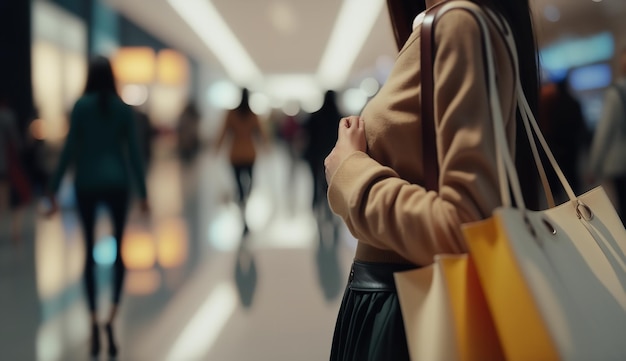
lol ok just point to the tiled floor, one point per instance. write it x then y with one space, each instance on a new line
195 288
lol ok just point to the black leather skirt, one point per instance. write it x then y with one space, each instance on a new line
369 325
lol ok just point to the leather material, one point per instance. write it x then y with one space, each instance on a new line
366 276
429 132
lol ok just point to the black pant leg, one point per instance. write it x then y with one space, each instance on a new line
86 204
117 202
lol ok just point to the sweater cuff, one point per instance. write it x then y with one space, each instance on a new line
352 179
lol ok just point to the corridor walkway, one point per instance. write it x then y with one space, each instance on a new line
196 289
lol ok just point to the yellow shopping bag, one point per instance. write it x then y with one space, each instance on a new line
521 327
445 314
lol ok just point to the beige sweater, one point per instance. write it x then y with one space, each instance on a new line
378 193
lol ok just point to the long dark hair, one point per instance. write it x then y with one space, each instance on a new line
100 80
517 14
244 104
402 13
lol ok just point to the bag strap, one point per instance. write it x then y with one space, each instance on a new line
429 133
429 147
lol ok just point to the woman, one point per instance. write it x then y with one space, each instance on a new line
320 128
243 126
376 175
102 140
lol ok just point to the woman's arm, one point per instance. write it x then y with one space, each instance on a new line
67 155
224 130
69 149
387 212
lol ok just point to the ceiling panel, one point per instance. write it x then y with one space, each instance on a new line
282 36
289 36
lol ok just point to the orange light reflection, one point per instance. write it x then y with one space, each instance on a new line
172 67
142 283
172 243
134 65
138 249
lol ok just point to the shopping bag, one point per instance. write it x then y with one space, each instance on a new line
445 314
554 280
555 284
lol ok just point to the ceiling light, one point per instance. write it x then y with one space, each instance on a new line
301 87
352 27
206 21
353 101
224 95
134 94
370 86
260 103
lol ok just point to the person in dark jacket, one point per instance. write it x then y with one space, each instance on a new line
565 130
101 143
321 131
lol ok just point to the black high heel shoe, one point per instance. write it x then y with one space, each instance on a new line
95 340
111 340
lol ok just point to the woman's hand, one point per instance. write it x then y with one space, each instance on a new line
350 139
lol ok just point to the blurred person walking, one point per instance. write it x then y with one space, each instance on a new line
188 133
566 132
243 128
607 160
147 132
321 132
101 143
15 189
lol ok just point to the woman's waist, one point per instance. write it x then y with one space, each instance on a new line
366 253
375 276
102 178
247 154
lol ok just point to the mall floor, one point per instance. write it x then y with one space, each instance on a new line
196 287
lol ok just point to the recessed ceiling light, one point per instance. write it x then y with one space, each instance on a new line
208 24
354 23
352 27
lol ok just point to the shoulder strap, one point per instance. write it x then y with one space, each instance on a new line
429 134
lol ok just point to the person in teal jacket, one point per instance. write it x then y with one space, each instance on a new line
102 145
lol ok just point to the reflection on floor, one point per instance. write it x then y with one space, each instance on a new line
196 289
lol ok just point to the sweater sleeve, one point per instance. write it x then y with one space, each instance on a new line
225 129
387 212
